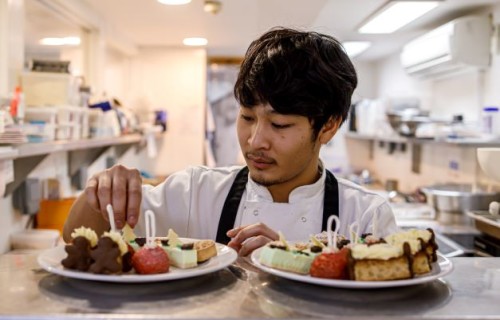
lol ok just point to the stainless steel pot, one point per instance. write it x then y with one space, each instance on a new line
452 201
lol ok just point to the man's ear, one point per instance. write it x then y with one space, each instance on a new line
329 130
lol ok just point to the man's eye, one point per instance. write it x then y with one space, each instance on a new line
246 118
281 126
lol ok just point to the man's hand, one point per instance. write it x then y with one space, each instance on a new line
246 239
122 188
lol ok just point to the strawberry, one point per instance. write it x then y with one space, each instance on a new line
150 260
331 265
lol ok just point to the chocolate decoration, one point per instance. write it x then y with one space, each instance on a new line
78 255
107 257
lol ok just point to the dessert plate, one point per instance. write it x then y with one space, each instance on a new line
50 260
442 267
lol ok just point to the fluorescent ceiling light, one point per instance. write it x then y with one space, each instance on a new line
396 14
353 48
66 41
174 2
195 41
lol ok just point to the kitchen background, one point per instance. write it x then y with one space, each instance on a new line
133 52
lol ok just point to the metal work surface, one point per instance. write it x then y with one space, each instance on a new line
471 291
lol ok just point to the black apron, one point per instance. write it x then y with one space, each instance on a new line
232 203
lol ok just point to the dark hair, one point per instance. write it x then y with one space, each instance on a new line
300 73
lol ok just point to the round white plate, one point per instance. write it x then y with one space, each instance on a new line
50 260
439 269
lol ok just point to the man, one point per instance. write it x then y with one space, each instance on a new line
295 91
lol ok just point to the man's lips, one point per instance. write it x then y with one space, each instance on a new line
260 162
260 159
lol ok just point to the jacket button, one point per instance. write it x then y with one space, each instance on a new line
303 219
256 212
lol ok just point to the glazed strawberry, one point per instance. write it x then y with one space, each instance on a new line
150 260
331 265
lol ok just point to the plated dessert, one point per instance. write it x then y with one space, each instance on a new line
116 253
399 256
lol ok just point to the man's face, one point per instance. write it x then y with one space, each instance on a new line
278 149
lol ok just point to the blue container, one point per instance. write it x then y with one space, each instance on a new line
105 106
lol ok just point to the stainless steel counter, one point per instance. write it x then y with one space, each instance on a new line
471 291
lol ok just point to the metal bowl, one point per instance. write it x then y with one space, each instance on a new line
458 198
406 126
453 201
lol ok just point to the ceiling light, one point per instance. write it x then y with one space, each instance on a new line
212 6
353 48
396 14
195 42
174 2
66 41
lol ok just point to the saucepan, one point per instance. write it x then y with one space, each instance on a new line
452 201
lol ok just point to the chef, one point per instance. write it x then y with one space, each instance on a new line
294 89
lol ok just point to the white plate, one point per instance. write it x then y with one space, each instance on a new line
439 269
50 260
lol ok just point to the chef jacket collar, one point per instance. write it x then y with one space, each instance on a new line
257 192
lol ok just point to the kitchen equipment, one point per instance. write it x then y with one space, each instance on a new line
487 221
53 213
489 159
48 89
406 122
453 201
34 239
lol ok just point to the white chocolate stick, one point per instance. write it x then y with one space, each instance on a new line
332 243
375 224
150 228
354 234
111 217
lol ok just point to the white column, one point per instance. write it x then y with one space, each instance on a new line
11 44
95 60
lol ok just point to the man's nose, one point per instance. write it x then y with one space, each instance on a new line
259 137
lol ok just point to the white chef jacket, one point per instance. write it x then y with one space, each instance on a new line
190 202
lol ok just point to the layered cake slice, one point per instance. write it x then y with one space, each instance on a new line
422 245
380 262
280 255
182 255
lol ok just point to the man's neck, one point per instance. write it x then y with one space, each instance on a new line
281 192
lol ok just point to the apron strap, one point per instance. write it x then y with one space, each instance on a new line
331 200
232 203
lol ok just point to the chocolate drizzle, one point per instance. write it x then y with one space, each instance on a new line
409 258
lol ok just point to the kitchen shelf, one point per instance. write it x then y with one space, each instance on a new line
461 142
81 153
8 154
44 148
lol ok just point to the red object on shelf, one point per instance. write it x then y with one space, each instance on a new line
14 103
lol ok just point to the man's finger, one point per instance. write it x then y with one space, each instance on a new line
134 193
258 229
253 243
91 194
104 193
233 232
119 198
